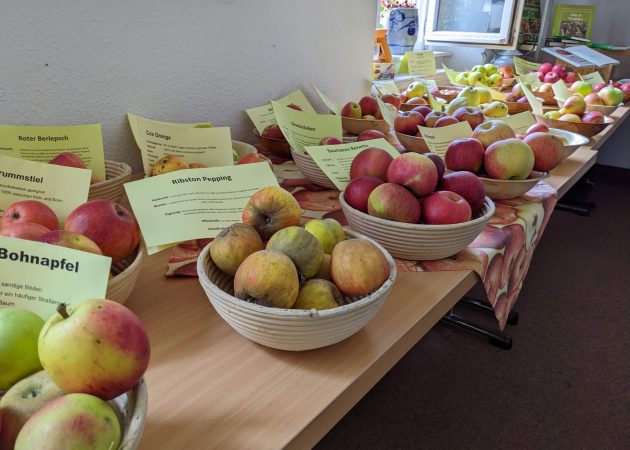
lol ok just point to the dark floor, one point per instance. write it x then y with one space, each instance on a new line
566 382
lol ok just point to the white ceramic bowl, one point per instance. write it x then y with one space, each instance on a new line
418 241
504 189
572 141
290 329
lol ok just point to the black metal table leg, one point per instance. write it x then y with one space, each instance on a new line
499 340
512 318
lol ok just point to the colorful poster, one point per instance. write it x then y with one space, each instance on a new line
530 23
383 71
573 21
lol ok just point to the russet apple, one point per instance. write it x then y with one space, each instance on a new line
19 331
445 121
391 201
358 267
509 159
368 104
407 122
318 294
233 245
24 230
468 185
414 171
328 232
304 249
168 163
593 117
351 110
369 135
547 148
445 207
372 161
611 96
268 278
464 154
358 191
273 131
72 240
110 225
492 131
271 209
439 164
68 159
470 114
30 211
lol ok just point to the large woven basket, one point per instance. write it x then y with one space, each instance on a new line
418 241
311 170
290 329
276 147
131 408
118 173
126 274
504 189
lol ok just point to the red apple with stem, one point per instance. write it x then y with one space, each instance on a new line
391 201
468 185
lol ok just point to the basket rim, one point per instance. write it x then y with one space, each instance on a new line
135 265
127 172
580 138
355 120
257 134
304 313
420 226
407 136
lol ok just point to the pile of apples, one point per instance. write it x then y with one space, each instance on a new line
496 152
412 188
583 94
549 73
407 122
367 107
487 74
172 163
278 263
60 374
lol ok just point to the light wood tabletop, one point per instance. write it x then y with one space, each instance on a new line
209 387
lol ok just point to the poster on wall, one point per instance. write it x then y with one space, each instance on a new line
530 23
574 21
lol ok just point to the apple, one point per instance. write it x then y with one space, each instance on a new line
445 121
253 158
491 69
545 67
593 117
462 78
302 247
351 110
575 104
68 159
168 163
495 80
69 239
416 101
330 140
439 164
391 99
21 401
545 88
571 118
358 267
555 115
233 245
110 225
519 136
538 127
570 78
358 191
611 96
372 161
294 106
551 77
416 89
368 105
492 131
509 159
468 185
318 294
369 135
407 122
599 86
495 110
75 421
560 70
414 171
472 94
431 118
476 77
197 166
625 88
547 148
19 330
30 211
507 71
328 232
541 76
445 207
470 114
464 154
96 347
509 97
523 100
273 131
391 201
581 87
271 209
423 109
593 99
24 230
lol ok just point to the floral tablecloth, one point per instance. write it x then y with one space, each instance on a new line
500 255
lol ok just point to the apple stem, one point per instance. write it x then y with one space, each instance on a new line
61 309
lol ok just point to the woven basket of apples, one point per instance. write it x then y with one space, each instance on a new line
409 206
273 141
357 117
102 227
69 382
601 97
293 287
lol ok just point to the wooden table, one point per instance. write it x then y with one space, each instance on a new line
211 388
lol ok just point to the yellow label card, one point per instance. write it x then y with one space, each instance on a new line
560 90
38 276
383 71
530 78
335 160
388 111
437 139
210 146
520 122
592 78
521 67
262 116
435 105
429 83
62 188
535 103
332 105
450 74
302 128
43 143
420 63
194 203
386 87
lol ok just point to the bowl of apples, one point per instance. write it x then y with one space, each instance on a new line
587 124
572 141
273 141
357 117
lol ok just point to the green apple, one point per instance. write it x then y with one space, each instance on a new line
484 95
20 402
495 80
72 422
479 69
509 159
555 115
491 69
476 77
581 87
327 231
416 89
495 110
472 94
19 330
461 79
97 347
318 294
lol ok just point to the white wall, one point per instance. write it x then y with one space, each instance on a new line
84 62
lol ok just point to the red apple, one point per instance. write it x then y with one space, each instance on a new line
111 226
30 211
570 77
351 110
439 164
445 207
330 140
273 131
68 159
551 77
509 97
407 122
611 96
358 191
523 100
545 67
369 105
468 185
445 121
464 154
470 114
492 131
252 158
416 101
414 171
368 135
391 99
24 230
393 202
593 117
507 71
69 239
372 161
509 159
423 109
538 127
625 88
560 70
432 117
593 99
547 148
294 106
541 76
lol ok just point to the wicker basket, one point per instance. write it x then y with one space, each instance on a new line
358 126
131 408
126 274
572 141
118 173
419 241
585 129
311 170
414 144
290 329
504 189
